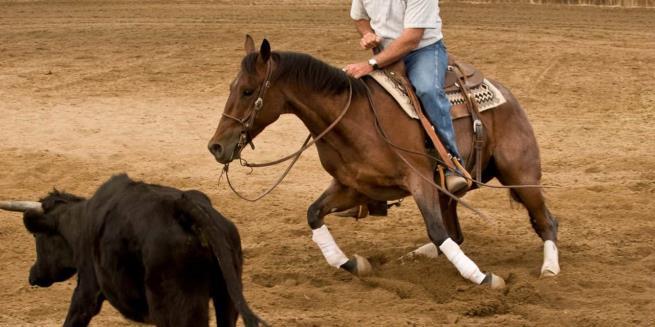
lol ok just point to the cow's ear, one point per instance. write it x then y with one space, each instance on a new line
36 222
265 51
249 46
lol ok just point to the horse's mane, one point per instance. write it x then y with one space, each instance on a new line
307 71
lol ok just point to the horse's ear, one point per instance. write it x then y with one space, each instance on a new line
249 44
265 50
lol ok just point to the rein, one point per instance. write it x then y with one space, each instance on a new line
245 138
396 149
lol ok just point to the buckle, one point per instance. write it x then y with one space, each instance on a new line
477 126
259 103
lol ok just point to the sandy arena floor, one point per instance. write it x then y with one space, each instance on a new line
95 88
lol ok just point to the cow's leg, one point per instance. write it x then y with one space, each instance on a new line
87 301
226 311
336 198
174 300
426 198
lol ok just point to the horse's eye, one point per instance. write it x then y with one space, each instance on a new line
248 92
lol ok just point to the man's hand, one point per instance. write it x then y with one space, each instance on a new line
369 41
358 70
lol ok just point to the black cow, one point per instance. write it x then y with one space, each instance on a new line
155 253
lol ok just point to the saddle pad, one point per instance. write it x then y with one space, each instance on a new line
486 95
396 90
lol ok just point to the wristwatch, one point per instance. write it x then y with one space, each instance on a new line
373 63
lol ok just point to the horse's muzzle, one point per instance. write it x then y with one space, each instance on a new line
220 153
224 152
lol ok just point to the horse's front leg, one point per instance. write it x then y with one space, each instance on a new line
336 198
428 202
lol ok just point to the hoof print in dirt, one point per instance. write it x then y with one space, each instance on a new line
490 308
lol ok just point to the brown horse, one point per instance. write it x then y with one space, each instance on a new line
365 167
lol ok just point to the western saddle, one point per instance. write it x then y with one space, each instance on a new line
460 77
461 71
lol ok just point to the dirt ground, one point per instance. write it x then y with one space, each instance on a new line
90 89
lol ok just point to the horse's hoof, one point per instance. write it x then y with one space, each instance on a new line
428 250
549 272
364 267
550 267
496 282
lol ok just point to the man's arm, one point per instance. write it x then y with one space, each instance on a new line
396 50
369 39
400 47
363 26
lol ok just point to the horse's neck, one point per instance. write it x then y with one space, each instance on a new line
357 130
355 149
319 111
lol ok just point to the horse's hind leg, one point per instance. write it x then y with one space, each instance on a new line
451 223
543 223
521 172
336 198
426 199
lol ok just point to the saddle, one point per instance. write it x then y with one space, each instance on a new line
464 85
459 70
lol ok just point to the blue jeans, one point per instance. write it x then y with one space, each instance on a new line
426 69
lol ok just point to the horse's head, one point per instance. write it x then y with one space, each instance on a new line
252 105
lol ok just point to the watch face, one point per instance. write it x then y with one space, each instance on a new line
373 62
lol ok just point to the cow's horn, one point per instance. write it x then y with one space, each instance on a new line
21 206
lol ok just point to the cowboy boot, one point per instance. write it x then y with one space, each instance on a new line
456 184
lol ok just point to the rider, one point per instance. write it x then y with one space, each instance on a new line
410 30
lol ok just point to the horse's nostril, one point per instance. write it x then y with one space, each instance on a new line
215 149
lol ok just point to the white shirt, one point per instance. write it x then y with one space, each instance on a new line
389 18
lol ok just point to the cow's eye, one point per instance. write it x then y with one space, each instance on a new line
248 92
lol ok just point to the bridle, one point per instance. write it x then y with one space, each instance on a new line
245 138
247 122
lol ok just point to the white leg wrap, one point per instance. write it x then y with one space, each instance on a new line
551 259
466 267
334 256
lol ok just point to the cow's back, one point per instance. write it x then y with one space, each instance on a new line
141 247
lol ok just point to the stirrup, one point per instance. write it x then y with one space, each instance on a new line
456 184
357 212
465 174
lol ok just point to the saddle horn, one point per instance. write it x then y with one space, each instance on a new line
21 206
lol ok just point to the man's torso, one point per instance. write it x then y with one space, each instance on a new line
389 18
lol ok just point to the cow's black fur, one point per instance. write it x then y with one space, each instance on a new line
155 253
